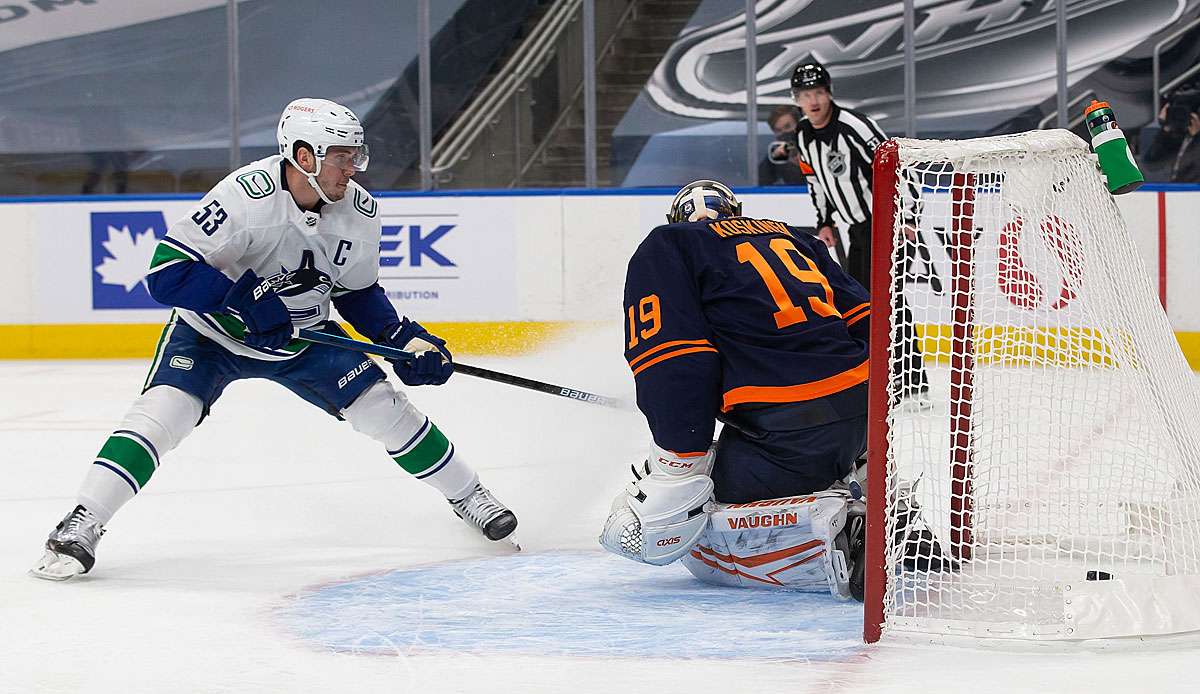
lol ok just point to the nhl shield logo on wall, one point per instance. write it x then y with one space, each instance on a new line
835 162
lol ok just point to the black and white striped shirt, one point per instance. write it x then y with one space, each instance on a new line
840 157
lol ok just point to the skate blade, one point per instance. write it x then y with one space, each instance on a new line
512 540
56 567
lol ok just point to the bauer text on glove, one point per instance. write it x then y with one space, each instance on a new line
268 324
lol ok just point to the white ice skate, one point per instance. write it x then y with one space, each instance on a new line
71 547
482 511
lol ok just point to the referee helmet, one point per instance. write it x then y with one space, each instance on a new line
810 75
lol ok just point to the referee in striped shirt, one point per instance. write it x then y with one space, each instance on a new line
838 145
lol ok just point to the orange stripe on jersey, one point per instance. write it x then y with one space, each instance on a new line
806 169
848 314
796 393
666 345
857 318
671 355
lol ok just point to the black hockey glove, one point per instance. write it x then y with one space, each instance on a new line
268 324
433 363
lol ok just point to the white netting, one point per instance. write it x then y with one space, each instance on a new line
1056 449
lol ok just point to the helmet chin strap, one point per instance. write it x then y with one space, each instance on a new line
311 177
312 181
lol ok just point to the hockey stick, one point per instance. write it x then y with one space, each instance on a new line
519 381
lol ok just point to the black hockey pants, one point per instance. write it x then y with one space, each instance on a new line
908 369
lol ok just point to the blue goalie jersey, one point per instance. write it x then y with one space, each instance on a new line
734 313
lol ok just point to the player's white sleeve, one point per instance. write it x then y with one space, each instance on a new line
362 267
212 232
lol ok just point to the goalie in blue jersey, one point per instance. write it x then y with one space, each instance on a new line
749 322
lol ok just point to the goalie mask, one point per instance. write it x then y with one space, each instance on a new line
320 124
703 199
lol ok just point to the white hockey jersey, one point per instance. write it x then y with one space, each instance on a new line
249 221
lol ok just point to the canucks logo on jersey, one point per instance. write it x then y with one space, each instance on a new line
304 279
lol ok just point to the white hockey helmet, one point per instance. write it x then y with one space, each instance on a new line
320 124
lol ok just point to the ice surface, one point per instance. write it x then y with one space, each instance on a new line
278 551
568 604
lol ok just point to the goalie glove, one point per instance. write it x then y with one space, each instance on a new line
662 513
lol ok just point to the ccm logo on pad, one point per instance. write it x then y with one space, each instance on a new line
667 541
681 464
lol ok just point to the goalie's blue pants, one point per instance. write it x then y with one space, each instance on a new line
793 449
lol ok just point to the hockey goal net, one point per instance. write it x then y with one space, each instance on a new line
1028 395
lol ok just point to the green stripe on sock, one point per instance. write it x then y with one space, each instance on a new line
130 455
426 453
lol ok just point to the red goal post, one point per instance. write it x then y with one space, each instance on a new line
883 206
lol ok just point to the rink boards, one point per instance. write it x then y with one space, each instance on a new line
494 271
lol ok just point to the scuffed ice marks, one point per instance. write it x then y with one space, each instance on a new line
569 604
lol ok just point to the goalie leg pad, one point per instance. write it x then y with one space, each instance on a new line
795 543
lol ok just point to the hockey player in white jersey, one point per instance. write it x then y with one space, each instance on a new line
266 252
